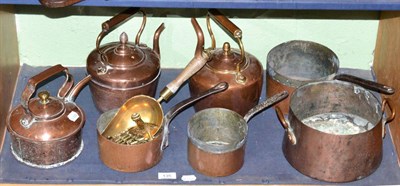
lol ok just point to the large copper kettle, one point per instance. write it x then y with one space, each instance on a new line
121 70
46 131
241 70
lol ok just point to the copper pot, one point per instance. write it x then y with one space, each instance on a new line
139 157
58 3
121 70
46 131
217 138
241 70
295 63
334 131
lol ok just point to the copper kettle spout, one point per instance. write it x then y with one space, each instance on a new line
156 46
78 87
200 38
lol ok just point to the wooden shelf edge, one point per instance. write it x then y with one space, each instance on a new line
386 65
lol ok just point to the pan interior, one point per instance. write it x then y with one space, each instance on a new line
336 107
296 62
217 130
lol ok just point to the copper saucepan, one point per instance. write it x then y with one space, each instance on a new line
217 137
334 130
295 63
138 157
46 131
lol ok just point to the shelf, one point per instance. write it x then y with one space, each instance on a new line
264 160
239 4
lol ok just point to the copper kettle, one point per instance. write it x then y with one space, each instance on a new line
242 71
46 131
121 70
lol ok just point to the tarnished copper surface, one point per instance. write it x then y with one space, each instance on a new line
273 87
215 165
46 131
121 70
217 138
330 157
241 70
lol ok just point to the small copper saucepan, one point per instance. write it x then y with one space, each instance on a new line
120 154
217 137
334 130
295 63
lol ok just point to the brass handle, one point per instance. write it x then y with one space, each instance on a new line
117 20
286 125
387 103
41 77
234 31
199 60
371 85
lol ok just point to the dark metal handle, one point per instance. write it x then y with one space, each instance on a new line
184 104
58 3
371 85
265 104
225 23
114 22
386 102
48 73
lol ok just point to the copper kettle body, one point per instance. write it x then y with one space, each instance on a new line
121 70
46 131
241 70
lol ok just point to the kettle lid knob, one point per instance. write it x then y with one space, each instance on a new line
44 97
226 48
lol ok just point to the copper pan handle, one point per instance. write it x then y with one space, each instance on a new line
286 125
184 104
386 102
45 75
266 104
114 22
198 61
371 85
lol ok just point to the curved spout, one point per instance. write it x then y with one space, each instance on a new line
78 87
156 46
200 38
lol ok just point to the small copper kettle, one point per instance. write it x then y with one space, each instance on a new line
121 70
242 71
46 131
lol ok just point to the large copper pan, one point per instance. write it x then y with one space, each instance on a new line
334 131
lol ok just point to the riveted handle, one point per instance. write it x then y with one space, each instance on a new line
387 103
45 75
286 125
371 85
117 20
